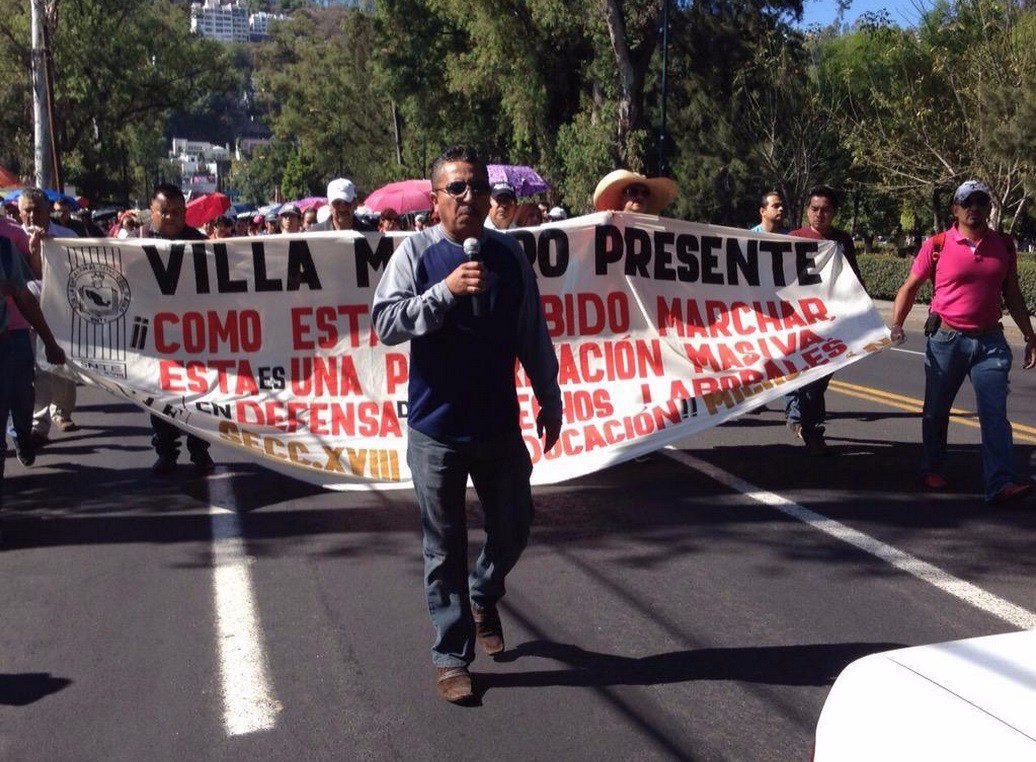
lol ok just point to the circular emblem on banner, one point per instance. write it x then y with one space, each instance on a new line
98 293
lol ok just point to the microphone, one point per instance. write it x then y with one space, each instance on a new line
473 250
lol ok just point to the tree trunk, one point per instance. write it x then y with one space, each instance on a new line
629 104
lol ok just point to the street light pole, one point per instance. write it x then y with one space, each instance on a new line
664 91
40 101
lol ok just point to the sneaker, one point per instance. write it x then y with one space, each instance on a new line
1012 492
489 632
164 466
65 424
26 452
454 684
816 445
794 427
203 463
933 481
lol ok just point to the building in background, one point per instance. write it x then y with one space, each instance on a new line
227 22
201 164
230 21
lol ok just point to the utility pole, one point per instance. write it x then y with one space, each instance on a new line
44 155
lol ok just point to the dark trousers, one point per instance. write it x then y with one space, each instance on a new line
166 440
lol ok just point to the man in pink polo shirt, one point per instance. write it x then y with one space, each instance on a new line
972 268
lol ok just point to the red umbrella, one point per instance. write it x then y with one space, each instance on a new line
8 179
204 208
404 196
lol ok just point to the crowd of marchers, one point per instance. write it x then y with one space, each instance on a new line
463 417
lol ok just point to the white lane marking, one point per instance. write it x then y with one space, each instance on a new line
248 702
906 351
922 570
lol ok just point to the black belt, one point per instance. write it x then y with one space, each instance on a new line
994 328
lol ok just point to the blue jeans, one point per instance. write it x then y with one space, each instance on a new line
806 405
21 396
986 360
500 471
7 374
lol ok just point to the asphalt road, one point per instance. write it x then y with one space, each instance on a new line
696 606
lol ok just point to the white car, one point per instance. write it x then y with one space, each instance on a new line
971 700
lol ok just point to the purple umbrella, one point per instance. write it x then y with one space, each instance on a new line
525 180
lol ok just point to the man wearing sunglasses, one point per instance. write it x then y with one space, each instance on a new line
463 417
806 408
972 268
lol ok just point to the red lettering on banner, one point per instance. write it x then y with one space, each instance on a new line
585 314
723 357
584 404
396 373
331 419
176 376
595 362
684 317
222 368
232 376
324 376
211 332
324 327
718 315
594 435
814 310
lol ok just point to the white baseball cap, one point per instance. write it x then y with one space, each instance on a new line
341 189
968 187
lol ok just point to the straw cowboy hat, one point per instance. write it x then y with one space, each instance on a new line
608 194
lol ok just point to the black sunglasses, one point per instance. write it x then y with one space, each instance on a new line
458 188
636 191
975 199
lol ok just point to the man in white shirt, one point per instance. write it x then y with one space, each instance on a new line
503 206
55 395
341 200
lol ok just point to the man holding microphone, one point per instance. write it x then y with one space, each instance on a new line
466 298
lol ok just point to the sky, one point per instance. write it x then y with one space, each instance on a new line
901 12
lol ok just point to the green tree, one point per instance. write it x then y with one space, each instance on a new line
118 66
258 179
314 76
926 108
297 178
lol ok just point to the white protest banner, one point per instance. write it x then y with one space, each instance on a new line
662 328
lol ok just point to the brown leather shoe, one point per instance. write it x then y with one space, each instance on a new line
454 684
489 632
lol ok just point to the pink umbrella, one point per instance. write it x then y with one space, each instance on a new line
204 208
315 201
404 196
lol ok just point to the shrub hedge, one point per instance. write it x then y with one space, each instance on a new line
884 275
